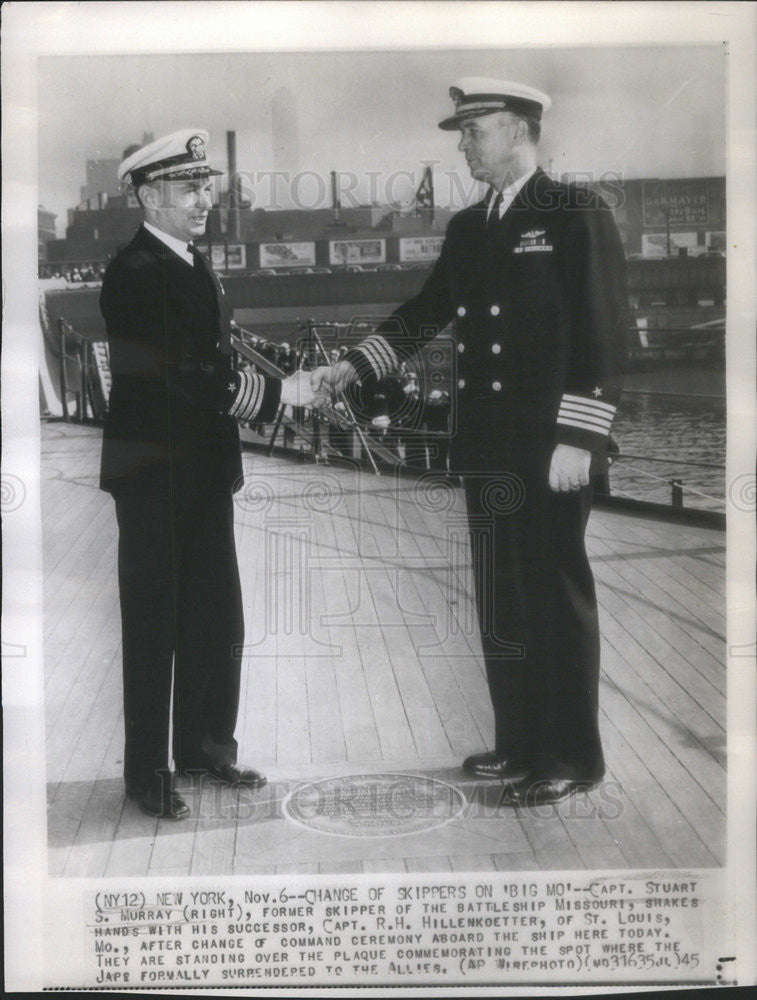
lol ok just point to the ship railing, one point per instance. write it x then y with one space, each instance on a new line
679 342
674 481
392 444
72 370
83 372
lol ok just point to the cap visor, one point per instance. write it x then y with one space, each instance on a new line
189 174
449 124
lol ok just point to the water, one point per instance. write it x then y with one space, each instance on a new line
671 427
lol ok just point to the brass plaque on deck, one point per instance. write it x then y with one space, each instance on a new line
373 805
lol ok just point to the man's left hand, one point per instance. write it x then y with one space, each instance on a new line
569 469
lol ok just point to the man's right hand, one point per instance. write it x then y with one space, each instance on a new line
303 388
338 377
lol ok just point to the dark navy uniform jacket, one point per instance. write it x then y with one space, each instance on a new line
171 420
538 300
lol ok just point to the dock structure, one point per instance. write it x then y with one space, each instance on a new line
362 663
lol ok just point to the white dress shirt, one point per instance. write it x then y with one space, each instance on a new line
508 194
172 243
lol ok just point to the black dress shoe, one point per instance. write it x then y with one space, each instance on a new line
545 791
159 803
496 766
229 774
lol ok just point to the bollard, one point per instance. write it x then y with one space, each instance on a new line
677 485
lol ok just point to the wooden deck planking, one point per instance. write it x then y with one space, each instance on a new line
174 842
420 708
384 702
664 779
91 847
705 622
472 863
548 841
373 631
639 830
685 745
90 622
83 603
384 865
61 516
692 699
704 649
324 717
77 757
214 849
132 844
700 556
525 862
64 818
251 691
334 625
592 838
72 714
262 842
428 864
668 570
631 828
97 509
354 867
684 725
426 584
685 660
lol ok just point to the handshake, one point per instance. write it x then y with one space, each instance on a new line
316 388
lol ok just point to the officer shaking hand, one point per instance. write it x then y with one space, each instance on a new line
534 278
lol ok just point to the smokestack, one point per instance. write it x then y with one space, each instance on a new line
335 198
232 228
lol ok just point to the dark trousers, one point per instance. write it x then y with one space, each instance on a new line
182 621
538 617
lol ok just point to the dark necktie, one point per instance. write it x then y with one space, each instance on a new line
202 272
493 217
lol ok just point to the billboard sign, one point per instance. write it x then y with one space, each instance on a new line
656 244
228 257
287 254
357 251
676 203
413 248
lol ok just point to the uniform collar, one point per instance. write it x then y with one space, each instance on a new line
509 193
171 242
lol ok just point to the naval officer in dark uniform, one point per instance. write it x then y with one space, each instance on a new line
171 459
534 277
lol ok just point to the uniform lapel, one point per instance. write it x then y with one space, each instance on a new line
222 308
524 200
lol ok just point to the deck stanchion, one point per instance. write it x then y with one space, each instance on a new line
83 361
62 367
